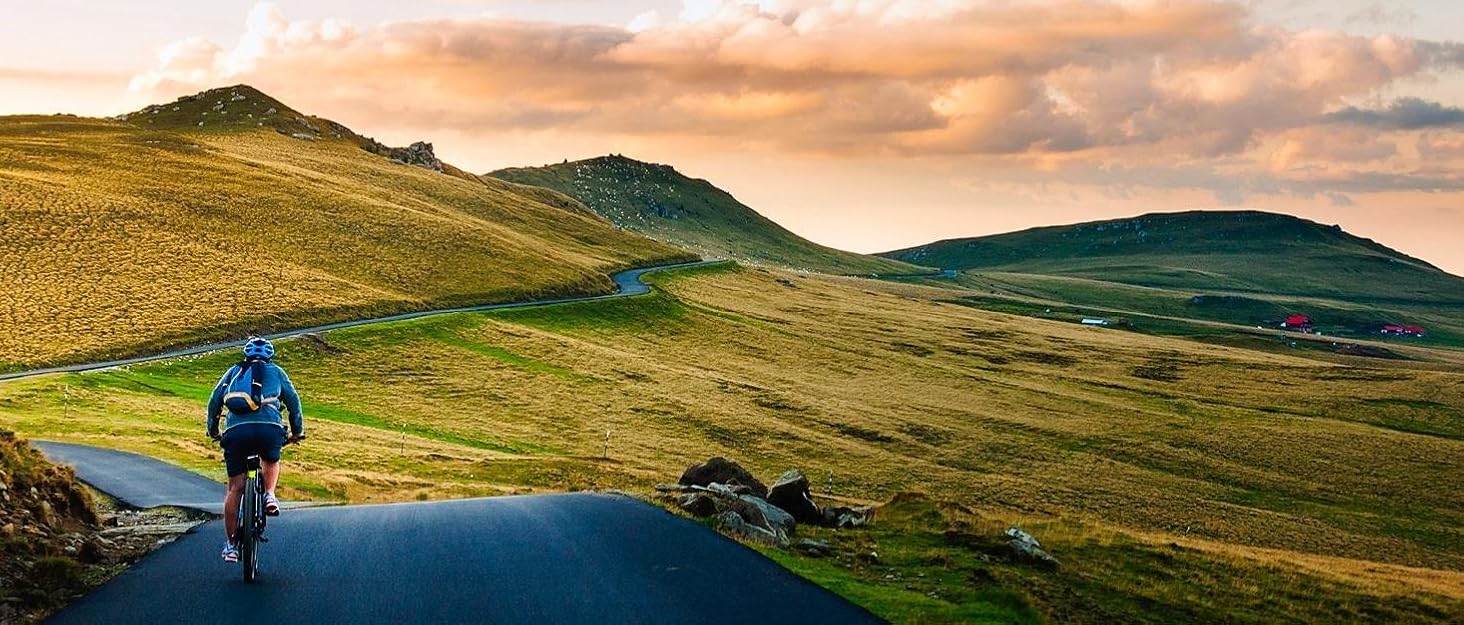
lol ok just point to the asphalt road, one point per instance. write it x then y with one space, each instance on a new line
138 481
573 558
628 284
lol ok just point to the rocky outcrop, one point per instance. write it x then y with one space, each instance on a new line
419 154
721 489
719 470
790 492
755 518
719 485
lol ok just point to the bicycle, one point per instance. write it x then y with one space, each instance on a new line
252 517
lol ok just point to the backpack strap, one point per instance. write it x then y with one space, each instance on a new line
256 379
255 397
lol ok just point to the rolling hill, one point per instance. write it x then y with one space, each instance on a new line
661 203
228 212
1242 267
1212 250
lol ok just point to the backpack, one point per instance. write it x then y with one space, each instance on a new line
244 393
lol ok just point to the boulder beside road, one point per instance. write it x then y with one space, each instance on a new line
790 492
719 470
721 488
755 518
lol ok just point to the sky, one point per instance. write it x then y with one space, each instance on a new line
863 124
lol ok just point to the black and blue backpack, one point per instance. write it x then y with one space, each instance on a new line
245 391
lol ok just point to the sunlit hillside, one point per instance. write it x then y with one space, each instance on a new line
1171 478
126 236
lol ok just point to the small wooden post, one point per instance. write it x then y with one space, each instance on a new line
606 455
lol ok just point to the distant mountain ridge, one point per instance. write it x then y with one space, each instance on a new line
1219 250
661 203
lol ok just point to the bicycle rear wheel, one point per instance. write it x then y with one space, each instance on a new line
249 528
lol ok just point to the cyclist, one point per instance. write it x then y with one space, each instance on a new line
251 392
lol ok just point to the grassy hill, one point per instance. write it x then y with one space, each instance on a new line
228 212
1211 250
1176 482
661 203
1246 267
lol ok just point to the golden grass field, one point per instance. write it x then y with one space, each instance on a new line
1171 476
120 239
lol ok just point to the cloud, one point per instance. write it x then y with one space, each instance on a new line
1403 114
1112 84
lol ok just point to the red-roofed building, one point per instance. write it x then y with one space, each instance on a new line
1301 323
1397 330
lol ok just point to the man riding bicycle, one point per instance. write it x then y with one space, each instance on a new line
251 391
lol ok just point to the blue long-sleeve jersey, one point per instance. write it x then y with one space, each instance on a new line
277 386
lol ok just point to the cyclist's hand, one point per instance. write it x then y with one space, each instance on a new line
295 439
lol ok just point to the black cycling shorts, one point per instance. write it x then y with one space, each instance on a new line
251 439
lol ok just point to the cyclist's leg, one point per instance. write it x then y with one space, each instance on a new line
270 441
271 471
269 466
235 452
231 505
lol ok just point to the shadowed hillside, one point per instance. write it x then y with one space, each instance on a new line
1217 250
1247 268
657 201
147 230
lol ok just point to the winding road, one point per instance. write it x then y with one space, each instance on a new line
568 558
627 284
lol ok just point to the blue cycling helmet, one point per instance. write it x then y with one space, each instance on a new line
259 347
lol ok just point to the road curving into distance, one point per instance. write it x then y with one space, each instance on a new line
627 283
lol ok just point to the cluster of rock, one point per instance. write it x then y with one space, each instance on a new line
419 153
722 489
